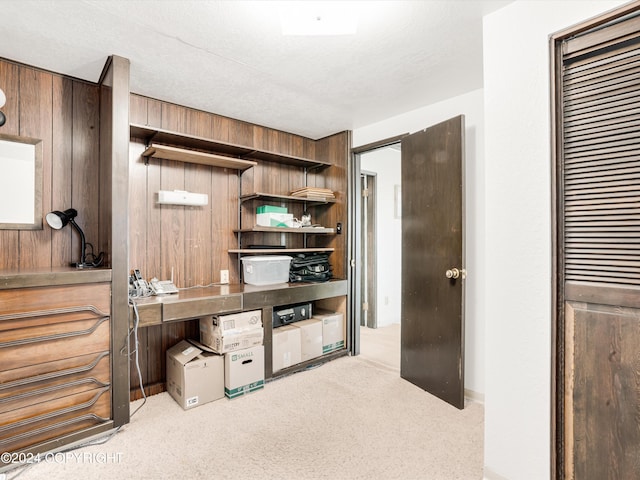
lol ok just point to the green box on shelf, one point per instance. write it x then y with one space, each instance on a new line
270 209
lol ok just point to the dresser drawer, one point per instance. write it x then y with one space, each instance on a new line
53 342
38 423
21 300
34 385
55 363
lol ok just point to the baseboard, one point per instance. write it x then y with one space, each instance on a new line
474 396
491 475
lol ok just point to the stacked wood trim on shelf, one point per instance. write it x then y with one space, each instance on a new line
193 243
55 375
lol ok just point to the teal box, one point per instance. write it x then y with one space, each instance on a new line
270 209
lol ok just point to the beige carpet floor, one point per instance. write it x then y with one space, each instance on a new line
381 345
351 418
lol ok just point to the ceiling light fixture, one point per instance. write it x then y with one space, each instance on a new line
319 18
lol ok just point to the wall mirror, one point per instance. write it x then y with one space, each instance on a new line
20 183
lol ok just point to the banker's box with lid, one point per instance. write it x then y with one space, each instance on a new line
243 371
266 269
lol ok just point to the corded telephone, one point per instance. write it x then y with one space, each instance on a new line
138 286
160 287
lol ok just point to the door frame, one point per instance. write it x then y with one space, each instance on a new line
370 273
355 199
558 323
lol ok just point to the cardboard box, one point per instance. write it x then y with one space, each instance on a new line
274 219
243 371
270 209
194 376
286 347
238 322
310 338
332 331
228 333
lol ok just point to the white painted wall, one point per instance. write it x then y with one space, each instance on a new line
518 232
471 105
386 163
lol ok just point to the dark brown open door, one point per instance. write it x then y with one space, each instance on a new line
432 336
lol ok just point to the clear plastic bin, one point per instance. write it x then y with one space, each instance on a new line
265 269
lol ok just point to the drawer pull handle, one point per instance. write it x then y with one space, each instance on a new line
54 311
56 336
56 413
42 391
48 428
61 373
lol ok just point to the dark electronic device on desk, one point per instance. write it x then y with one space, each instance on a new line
286 314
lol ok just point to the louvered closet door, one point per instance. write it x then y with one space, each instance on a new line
599 226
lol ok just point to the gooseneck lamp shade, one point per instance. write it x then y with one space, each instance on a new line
58 220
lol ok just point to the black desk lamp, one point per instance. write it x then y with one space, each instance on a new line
57 220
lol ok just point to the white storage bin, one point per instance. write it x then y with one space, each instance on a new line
266 269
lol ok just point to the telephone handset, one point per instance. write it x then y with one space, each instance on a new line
138 286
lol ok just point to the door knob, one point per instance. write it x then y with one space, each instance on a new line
452 273
455 273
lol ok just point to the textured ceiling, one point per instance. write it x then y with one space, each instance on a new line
230 57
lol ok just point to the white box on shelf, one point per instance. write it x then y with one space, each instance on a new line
273 219
243 371
332 331
266 269
310 338
238 322
286 347
227 333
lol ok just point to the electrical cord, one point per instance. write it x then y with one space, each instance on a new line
136 323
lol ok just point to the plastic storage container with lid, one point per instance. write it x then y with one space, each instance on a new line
265 269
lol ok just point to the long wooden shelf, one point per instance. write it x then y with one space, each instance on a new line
312 363
165 137
280 250
312 230
194 156
284 198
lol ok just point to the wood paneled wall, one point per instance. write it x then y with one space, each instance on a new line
194 241
64 113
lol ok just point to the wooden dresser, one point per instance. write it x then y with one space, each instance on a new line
55 365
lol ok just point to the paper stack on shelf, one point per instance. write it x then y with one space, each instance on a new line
313 193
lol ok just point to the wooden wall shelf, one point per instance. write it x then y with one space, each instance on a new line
276 251
311 230
158 136
284 198
194 156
